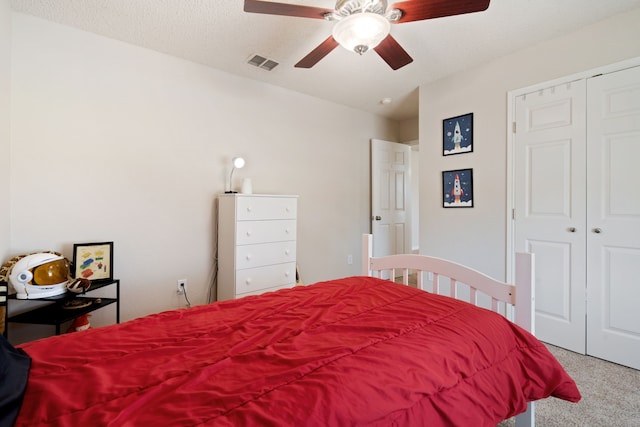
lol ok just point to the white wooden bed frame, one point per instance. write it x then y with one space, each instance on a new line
518 296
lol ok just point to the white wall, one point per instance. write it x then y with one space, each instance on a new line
477 236
113 142
5 99
415 198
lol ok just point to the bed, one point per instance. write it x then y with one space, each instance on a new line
350 352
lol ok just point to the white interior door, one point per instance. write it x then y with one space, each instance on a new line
390 197
550 203
613 215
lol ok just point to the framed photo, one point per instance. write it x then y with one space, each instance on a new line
457 135
93 261
457 188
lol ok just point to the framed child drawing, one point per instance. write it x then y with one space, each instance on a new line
457 135
93 261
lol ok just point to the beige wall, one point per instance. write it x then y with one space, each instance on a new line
477 236
5 102
409 131
115 142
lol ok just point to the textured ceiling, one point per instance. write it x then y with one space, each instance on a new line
218 33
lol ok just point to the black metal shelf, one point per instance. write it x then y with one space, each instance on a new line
56 314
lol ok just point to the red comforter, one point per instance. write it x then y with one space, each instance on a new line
357 351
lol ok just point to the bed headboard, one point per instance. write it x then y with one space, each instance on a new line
432 269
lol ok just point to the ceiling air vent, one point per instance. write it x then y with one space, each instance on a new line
262 62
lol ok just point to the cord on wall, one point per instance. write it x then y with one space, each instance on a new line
213 277
184 292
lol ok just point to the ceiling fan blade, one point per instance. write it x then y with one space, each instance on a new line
392 53
418 10
318 53
273 8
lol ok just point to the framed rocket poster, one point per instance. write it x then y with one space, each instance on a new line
457 135
457 188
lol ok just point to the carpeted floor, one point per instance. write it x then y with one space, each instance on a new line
610 395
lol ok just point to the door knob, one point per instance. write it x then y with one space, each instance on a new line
572 229
597 230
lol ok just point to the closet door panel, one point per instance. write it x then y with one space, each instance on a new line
553 302
550 201
613 216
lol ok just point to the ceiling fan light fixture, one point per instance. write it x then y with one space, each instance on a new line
362 31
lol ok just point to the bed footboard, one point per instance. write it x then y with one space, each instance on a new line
518 296
435 271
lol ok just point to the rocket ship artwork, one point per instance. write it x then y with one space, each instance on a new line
457 137
457 190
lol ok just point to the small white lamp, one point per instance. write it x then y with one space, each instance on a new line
238 163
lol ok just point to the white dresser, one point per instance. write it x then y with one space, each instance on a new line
256 244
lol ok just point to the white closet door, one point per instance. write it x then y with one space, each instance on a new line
550 201
613 215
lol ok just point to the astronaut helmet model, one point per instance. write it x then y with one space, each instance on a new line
40 275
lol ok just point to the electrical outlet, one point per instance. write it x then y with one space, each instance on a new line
182 286
349 259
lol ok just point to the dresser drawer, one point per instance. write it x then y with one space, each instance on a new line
250 256
251 232
253 208
259 279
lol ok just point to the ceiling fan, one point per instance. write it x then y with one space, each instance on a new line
362 25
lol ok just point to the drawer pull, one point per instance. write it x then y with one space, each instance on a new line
286 274
248 233
248 281
286 252
287 231
248 208
248 257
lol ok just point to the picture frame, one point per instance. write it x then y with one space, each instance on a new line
457 135
93 261
457 188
